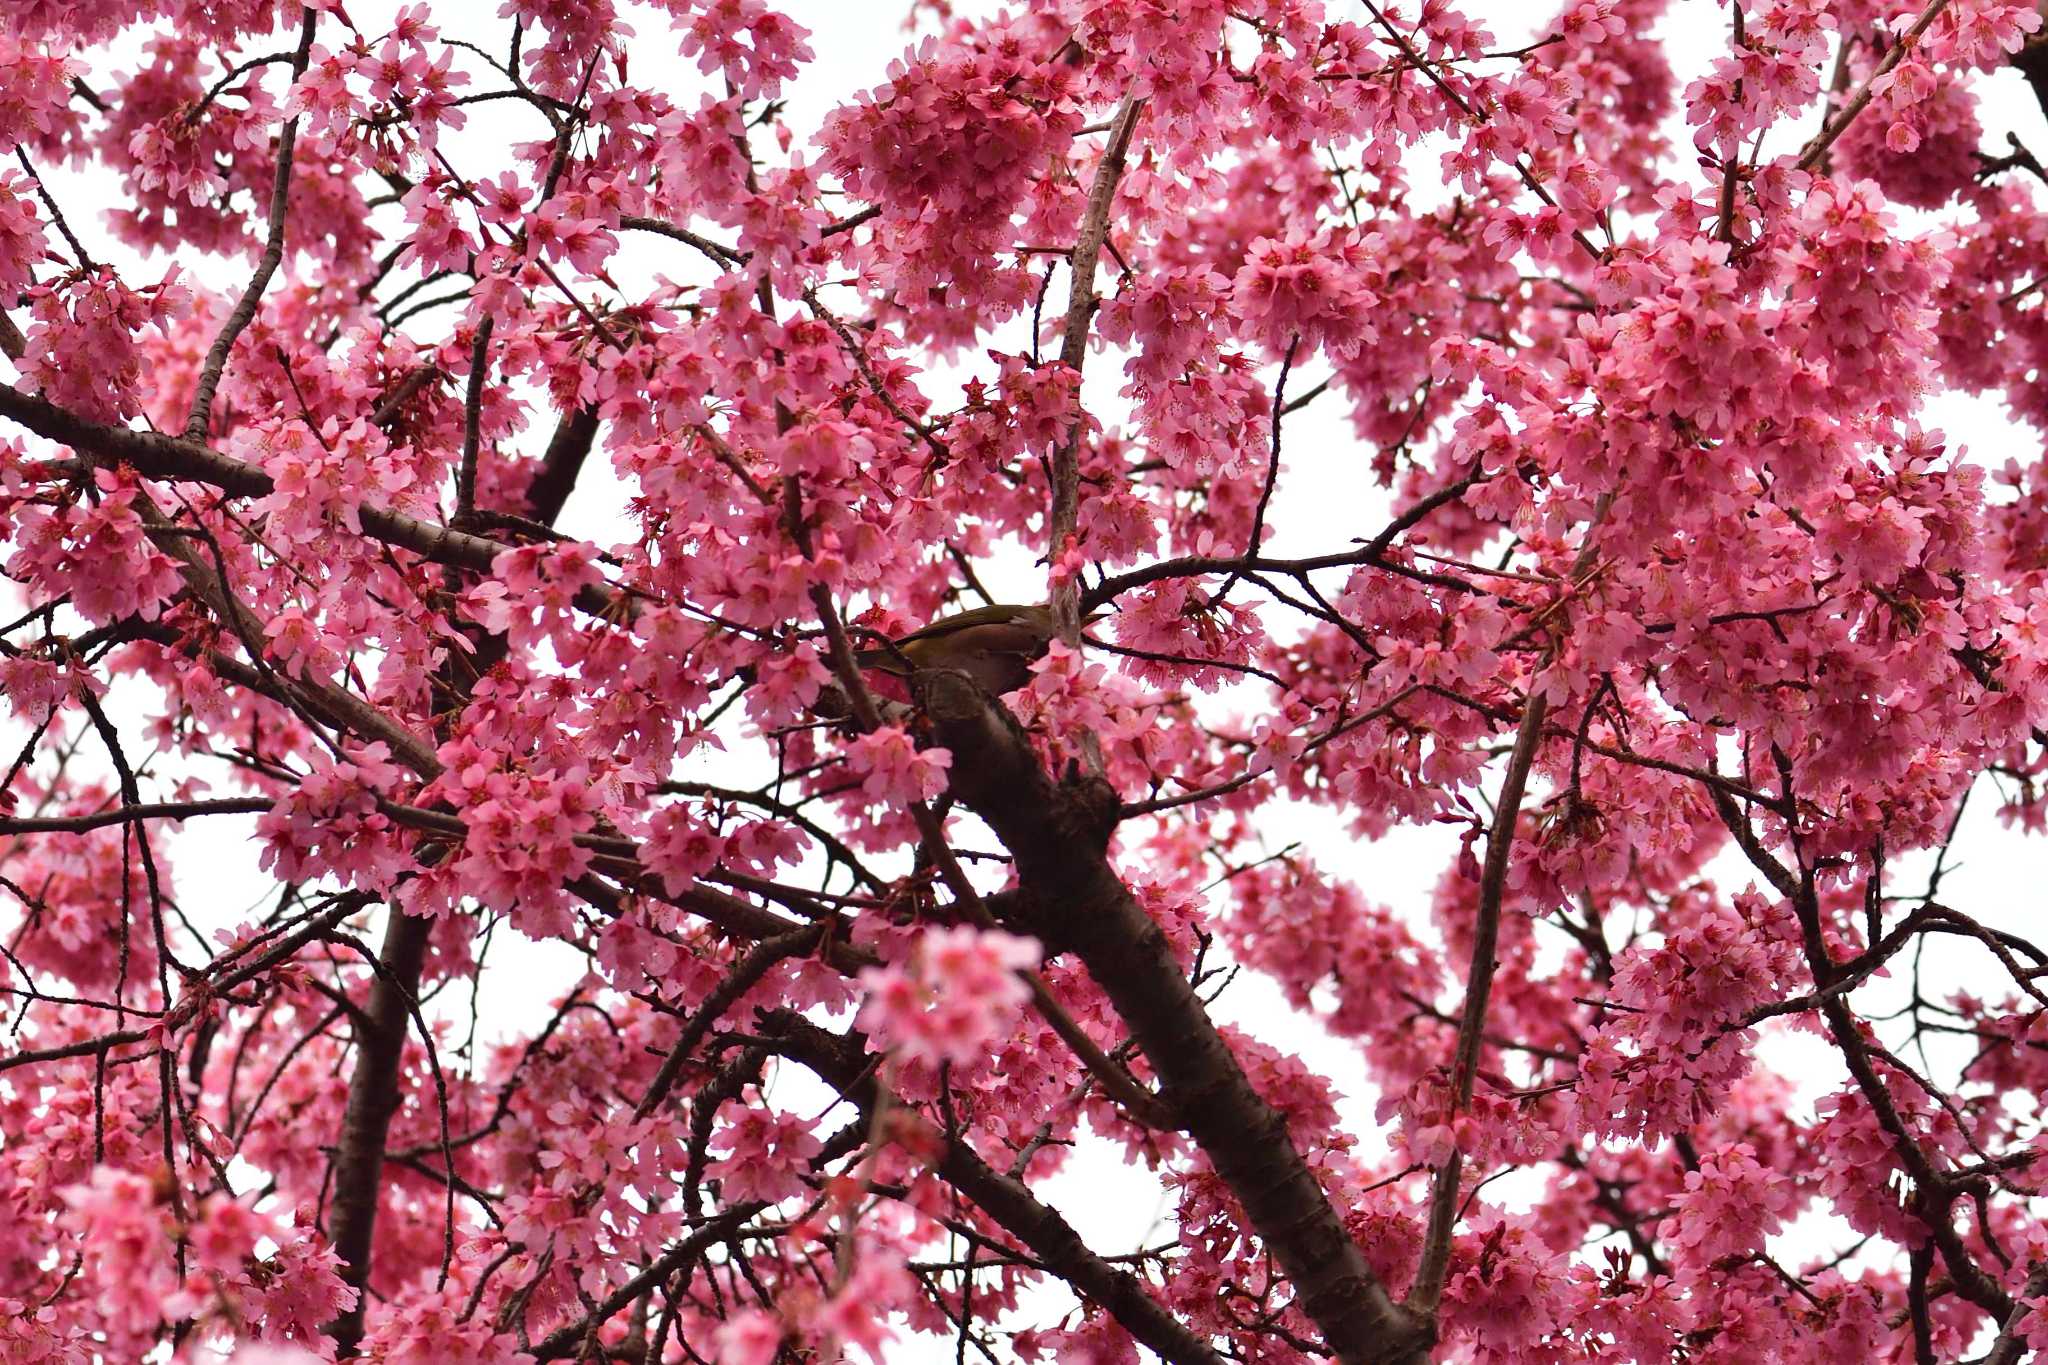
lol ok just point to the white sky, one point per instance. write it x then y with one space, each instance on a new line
1325 500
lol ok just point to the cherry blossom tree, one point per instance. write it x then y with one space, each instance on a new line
1633 571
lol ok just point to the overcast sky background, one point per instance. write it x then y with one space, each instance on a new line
1325 500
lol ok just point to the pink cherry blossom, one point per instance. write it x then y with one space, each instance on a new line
1486 838
959 994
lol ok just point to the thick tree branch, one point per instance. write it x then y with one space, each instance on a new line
156 456
1500 842
2008 1349
1057 833
847 1066
561 465
372 1097
2032 62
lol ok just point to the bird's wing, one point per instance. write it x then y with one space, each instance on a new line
994 638
998 615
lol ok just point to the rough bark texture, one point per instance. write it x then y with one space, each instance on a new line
372 1098
1058 831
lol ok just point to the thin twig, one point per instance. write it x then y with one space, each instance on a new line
244 312
1443 1204
1066 465
1818 148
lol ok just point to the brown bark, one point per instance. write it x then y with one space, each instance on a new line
849 1068
157 456
372 1099
560 466
1057 833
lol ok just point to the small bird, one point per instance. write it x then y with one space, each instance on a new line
994 645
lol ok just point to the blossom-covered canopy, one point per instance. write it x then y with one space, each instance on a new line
1622 568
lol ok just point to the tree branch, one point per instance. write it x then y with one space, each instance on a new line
1817 150
372 1097
1075 901
1066 466
561 465
2006 1350
124 815
1500 841
848 1067
273 253
158 456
